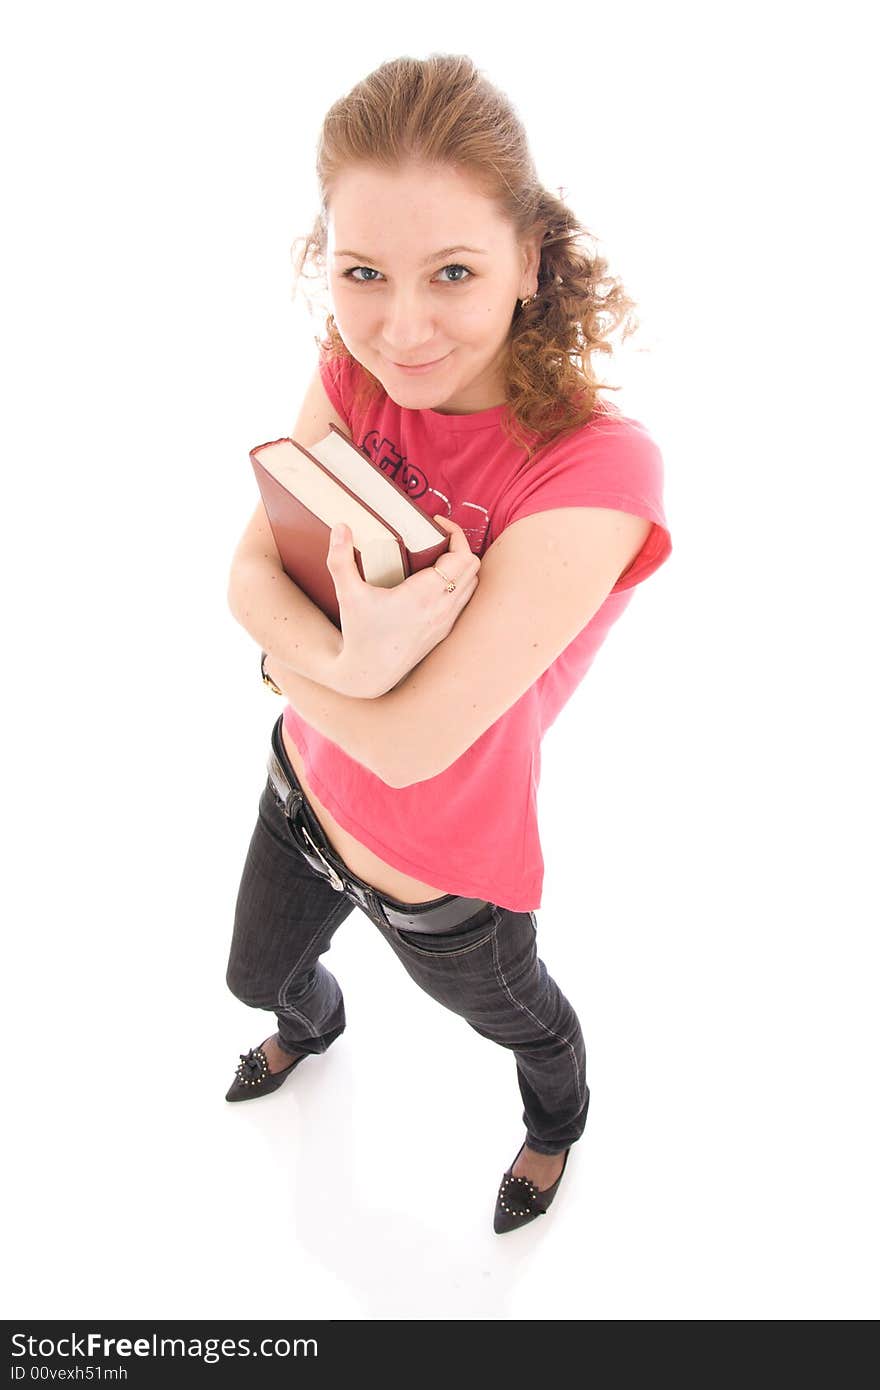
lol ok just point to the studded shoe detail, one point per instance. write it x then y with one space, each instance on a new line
520 1201
253 1077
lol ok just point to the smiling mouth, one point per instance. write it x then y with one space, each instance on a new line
414 366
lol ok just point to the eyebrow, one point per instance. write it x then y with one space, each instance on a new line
436 256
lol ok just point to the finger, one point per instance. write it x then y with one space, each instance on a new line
462 596
458 541
459 580
340 556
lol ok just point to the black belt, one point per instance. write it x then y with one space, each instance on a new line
443 914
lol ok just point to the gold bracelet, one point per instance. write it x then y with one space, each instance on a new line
267 679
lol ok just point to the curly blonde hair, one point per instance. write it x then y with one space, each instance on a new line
442 111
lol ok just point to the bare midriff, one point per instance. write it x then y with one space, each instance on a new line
361 861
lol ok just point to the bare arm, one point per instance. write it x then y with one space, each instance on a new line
360 727
283 620
542 580
364 727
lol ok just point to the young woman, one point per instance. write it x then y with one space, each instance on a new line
403 771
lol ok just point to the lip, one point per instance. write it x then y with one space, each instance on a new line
423 367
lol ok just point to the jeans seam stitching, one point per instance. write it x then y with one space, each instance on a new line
445 955
282 1001
499 973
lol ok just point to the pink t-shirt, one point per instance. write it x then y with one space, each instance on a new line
473 830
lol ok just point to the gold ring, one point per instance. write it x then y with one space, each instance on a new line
450 583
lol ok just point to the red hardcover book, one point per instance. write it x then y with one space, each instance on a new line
306 491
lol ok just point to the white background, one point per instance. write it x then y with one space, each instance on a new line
708 803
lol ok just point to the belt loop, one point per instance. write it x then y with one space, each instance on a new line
378 907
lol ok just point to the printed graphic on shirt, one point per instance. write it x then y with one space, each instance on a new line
472 517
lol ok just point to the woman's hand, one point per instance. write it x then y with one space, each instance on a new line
386 632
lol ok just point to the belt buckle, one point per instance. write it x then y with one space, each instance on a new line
291 800
335 880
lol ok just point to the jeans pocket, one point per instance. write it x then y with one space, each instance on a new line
467 936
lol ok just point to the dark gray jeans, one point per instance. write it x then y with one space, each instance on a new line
486 970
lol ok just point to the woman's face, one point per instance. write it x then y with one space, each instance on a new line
400 299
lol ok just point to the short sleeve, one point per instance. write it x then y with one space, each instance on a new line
614 464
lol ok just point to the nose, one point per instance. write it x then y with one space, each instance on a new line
409 323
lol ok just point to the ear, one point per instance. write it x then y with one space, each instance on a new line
530 253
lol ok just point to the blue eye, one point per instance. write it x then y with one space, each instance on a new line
350 275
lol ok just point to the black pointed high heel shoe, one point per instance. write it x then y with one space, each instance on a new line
519 1201
253 1077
